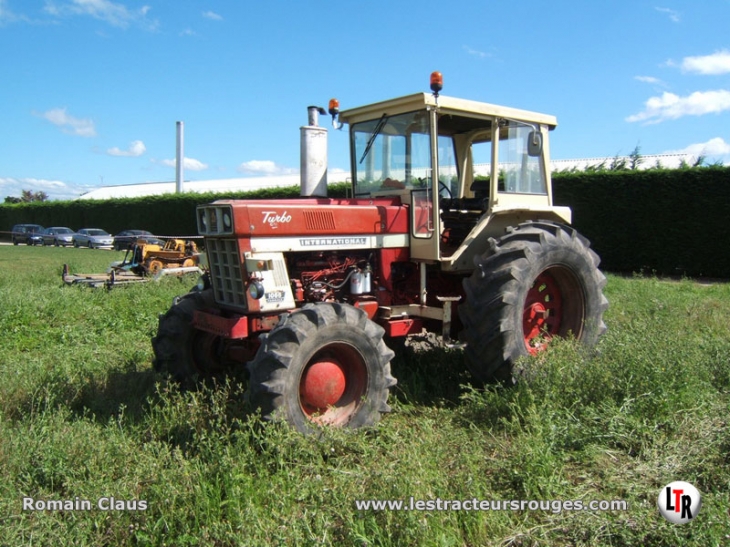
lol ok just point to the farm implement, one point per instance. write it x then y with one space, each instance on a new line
142 262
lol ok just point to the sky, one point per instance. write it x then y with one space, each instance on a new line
92 89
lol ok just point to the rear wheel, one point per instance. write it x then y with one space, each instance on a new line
325 364
539 281
184 352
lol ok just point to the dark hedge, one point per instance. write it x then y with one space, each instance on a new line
662 221
668 222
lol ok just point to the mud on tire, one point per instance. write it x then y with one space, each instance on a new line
538 281
324 364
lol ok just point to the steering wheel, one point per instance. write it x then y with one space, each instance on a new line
444 187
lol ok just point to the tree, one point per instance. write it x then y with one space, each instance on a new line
635 158
27 196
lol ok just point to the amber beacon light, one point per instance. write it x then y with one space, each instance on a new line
334 110
437 82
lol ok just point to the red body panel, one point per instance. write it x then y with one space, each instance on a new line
318 216
226 327
317 275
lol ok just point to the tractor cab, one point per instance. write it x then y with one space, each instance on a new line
466 170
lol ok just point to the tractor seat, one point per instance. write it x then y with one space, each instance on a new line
479 202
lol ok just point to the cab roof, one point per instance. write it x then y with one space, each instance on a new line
445 105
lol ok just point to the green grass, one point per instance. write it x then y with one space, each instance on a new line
83 415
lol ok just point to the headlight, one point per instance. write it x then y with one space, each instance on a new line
227 221
256 290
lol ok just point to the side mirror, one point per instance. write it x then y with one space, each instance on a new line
534 144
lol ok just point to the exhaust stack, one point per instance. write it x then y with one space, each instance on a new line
313 155
179 159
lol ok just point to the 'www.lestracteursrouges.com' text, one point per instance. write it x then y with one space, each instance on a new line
438 504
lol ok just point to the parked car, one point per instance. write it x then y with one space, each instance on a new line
58 235
93 238
126 238
30 234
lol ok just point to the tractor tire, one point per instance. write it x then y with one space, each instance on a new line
539 281
182 351
325 364
154 267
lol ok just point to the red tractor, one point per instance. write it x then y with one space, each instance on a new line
451 228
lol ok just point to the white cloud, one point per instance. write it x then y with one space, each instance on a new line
116 14
29 181
6 14
265 167
56 189
717 63
476 53
188 164
212 15
674 15
136 149
713 147
69 124
649 80
670 106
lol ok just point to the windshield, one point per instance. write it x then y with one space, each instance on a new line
96 233
392 153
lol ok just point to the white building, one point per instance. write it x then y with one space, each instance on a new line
245 184
242 184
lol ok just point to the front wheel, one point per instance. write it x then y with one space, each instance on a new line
539 281
154 267
325 364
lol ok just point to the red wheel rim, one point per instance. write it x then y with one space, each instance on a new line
333 384
543 312
323 384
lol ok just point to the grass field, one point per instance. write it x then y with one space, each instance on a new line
84 418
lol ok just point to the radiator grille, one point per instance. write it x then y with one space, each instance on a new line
225 272
319 220
280 275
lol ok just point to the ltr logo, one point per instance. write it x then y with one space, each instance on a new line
679 502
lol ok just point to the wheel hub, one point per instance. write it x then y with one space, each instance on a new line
542 313
322 385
